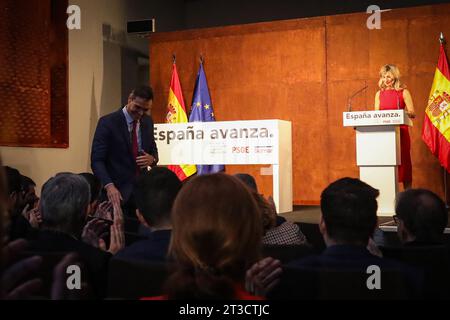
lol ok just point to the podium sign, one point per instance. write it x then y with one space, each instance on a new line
232 142
378 151
376 118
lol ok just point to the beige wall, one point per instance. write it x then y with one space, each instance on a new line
90 94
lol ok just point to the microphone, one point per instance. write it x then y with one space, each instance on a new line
349 101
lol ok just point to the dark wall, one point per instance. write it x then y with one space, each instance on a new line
206 13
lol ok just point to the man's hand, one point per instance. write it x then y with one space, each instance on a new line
113 194
35 218
93 232
104 211
117 241
145 160
263 276
12 285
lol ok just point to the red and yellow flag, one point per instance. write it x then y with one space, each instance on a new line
177 114
436 126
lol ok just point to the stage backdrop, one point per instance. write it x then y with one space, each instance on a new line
304 71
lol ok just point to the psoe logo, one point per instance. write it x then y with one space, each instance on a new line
374 21
374 280
74 279
74 19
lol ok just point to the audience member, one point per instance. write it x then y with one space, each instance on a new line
216 238
63 205
421 217
276 231
155 193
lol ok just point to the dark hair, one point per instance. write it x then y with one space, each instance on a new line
248 180
144 92
216 237
64 203
13 179
95 185
423 213
155 193
349 209
26 182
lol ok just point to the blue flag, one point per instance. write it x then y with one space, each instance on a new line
202 111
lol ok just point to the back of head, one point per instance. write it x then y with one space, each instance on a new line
155 193
144 92
349 209
64 203
423 213
216 237
26 182
248 180
13 180
95 185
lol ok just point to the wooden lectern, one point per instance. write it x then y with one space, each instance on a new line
378 151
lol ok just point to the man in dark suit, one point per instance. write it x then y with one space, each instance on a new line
124 145
349 218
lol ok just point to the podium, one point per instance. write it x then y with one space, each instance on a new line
263 142
378 151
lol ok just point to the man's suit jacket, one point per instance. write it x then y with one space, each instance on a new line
112 156
93 259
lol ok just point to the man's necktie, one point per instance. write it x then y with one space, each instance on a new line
134 143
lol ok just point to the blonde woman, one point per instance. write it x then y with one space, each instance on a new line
393 95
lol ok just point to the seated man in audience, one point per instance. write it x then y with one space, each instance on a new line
421 218
19 226
63 206
155 193
349 218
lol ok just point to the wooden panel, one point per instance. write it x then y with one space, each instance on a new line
303 71
33 73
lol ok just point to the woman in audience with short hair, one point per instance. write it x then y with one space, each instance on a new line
216 238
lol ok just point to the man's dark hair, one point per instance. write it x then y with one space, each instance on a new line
94 184
155 193
64 203
248 180
26 182
144 92
13 179
349 209
423 213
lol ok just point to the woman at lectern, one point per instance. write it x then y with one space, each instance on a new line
393 95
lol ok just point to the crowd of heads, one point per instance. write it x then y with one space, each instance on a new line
218 221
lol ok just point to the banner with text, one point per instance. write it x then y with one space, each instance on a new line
221 142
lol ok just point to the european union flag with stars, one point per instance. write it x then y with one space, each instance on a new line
202 111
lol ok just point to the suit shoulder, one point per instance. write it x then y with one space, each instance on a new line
112 117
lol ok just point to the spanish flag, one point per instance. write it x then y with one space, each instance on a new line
177 114
436 126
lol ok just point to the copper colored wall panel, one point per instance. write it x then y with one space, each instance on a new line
304 70
33 73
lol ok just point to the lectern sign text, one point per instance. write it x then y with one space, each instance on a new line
374 118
